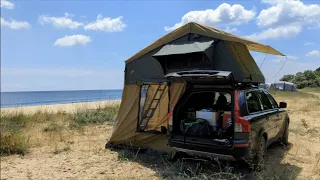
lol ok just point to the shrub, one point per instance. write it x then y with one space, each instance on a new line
12 140
304 79
52 127
94 116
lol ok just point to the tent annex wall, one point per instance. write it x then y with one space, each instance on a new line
144 70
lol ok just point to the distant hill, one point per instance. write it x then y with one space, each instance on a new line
304 79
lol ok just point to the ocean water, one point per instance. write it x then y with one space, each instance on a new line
35 98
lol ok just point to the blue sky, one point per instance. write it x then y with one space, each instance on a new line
64 45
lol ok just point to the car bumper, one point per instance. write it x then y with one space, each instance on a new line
232 153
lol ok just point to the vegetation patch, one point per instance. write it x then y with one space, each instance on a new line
52 127
304 79
96 116
12 140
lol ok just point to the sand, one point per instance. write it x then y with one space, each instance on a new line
81 155
72 107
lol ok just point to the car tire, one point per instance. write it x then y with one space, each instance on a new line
285 136
258 162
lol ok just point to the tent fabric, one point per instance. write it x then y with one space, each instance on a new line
203 30
283 85
125 127
184 48
223 55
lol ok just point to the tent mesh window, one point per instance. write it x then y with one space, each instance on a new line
143 96
179 62
149 113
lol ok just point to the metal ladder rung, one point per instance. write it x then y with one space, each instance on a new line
148 114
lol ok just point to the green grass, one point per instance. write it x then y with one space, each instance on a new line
291 94
52 127
96 116
313 90
12 140
14 126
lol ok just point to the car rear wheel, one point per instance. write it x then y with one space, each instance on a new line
258 161
285 135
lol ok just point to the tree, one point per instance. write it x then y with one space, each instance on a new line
288 78
300 80
304 79
317 72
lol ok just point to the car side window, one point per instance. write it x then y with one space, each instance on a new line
253 102
272 100
266 104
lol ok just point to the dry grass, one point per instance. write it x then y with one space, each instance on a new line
71 146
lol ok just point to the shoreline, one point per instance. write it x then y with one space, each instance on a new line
54 108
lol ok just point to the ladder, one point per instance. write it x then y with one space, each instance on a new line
149 112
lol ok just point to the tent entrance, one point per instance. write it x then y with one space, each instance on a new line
153 108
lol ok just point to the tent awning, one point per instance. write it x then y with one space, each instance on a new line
203 30
183 48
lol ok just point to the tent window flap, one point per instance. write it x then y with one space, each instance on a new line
184 48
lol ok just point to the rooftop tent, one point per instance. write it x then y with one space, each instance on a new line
148 96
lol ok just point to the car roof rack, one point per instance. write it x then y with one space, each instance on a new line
247 85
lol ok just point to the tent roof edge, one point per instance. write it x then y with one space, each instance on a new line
204 30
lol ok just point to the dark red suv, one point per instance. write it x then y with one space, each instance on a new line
218 117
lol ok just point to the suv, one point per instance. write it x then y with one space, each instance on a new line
217 117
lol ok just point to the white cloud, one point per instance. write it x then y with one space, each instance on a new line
276 33
231 30
308 43
6 4
225 14
60 22
281 59
73 40
286 19
292 57
13 24
314 53
106 24
284 12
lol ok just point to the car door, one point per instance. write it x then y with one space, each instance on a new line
273 114
280 113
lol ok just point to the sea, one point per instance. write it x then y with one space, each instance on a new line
35 98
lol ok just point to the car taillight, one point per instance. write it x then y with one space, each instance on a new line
241 124
170 118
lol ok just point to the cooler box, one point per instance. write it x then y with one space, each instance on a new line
211 117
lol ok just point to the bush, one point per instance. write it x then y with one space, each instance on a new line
12 140
53 127
93 116
306 79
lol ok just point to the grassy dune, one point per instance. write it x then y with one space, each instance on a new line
70 144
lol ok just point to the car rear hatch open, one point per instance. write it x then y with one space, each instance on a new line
203 83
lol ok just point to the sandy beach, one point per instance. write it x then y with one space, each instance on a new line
59 147
70 108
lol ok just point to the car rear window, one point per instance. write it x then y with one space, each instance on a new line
253 102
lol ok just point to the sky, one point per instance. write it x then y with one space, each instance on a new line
80 45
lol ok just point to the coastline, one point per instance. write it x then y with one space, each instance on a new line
54 108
